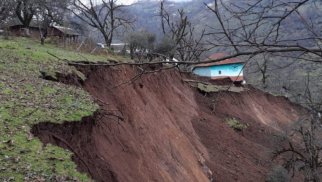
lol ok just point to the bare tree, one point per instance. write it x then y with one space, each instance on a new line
303 152
48 13
191 48
106 16
166 46
187 45
25 11
6 7
141 42
260 65
248 28
304 155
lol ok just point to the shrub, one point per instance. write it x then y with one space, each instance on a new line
235 124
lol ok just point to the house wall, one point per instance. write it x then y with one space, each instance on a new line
20 31
54 32
202 71
228 70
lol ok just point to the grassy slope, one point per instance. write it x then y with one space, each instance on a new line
26 99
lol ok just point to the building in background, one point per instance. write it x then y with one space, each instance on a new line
63 34
228 68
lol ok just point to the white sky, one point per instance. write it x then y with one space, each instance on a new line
132 1
127 2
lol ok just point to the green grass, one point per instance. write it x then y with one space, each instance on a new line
24 47
26 99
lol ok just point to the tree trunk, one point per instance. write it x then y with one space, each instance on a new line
42 40
108 42
43 35
132 53
26 32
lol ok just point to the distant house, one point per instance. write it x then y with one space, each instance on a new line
34 30
17 29
65 33
228 68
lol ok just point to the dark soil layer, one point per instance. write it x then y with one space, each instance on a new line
68 79
158 128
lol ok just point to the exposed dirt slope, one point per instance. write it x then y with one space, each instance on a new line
246 155
158 128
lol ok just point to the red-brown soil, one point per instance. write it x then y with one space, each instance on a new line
158 128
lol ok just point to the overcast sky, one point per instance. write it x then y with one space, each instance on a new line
127 1
132 1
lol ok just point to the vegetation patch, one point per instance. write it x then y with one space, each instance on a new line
236 124
26 99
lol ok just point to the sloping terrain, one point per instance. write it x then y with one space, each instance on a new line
158 128
245 155
27 99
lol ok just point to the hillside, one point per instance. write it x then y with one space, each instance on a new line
107 126
147 14
300 81
160 128
73 109
27 99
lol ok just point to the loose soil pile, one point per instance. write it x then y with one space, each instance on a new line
157 128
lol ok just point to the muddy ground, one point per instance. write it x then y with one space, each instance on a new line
158 128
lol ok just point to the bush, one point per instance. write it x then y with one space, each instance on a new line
235 124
